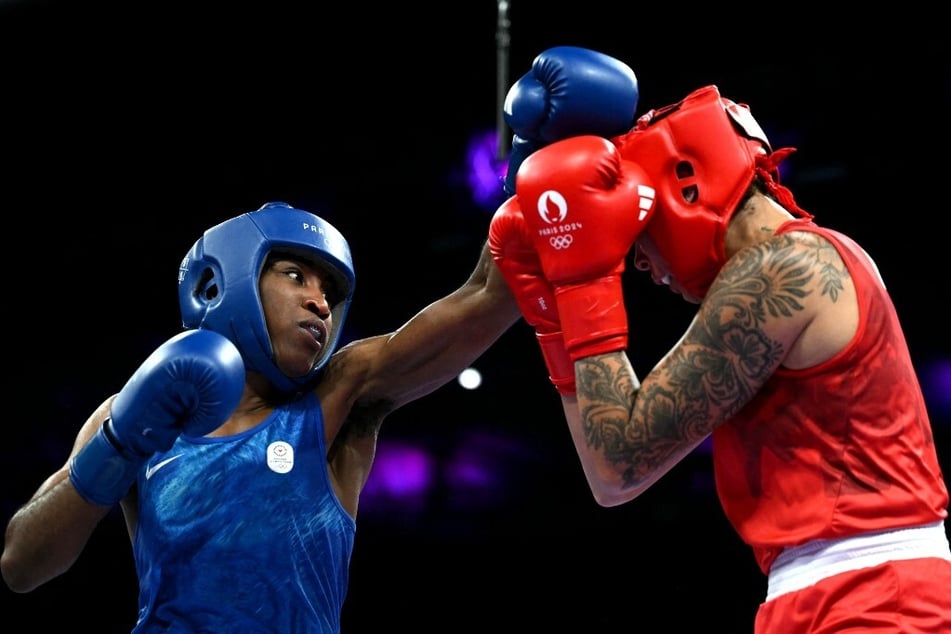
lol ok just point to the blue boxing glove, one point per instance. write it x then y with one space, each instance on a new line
190 384
569 91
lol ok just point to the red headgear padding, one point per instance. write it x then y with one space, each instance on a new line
701 154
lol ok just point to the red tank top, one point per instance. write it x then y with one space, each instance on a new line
841 448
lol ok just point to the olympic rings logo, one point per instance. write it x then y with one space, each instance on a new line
561 242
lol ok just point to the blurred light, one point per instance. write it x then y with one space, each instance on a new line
470 378
706 446
937 388
399 471
482 470
485 170
474 472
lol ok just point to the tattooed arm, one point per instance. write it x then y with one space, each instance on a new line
776 302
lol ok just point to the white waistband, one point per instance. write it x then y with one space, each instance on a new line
802 566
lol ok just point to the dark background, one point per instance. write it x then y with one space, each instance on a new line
128 128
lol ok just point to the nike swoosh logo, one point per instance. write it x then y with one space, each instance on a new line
151 470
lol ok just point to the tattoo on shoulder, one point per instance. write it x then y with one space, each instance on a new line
781 271
768 281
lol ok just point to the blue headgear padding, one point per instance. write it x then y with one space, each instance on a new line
218 281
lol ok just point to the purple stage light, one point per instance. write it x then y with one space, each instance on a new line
399 471
936 384
485 170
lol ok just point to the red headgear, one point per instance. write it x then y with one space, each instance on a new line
701 154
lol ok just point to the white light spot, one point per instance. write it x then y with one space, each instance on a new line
470 378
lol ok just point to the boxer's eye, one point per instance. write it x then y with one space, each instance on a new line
294 274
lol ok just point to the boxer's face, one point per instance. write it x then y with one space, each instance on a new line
296 296
647 257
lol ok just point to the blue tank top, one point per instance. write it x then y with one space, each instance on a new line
244 533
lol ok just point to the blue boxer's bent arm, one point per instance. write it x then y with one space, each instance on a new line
190 384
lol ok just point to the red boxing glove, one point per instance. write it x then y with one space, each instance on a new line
584 207
511 246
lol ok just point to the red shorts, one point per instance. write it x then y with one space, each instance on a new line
911 596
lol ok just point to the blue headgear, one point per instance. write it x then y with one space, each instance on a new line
218 281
